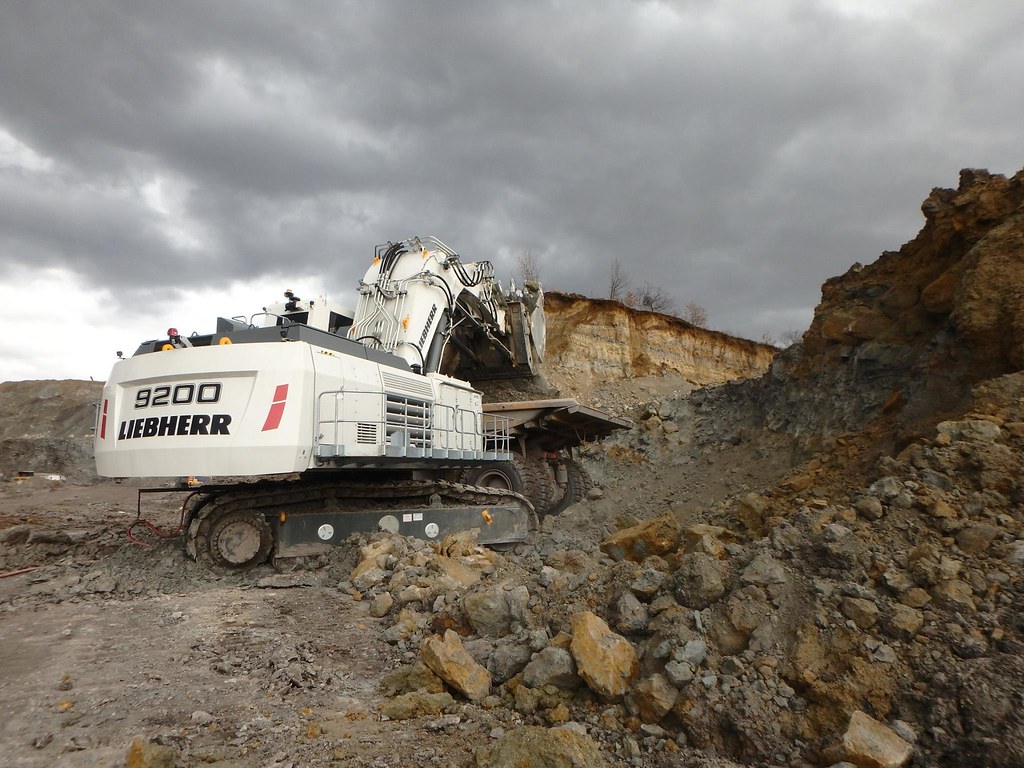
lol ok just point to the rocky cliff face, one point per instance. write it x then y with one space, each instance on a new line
47 427
900 343
593 341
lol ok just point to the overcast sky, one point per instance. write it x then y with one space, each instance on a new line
162 163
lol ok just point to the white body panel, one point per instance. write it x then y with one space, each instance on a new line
278 407
143 432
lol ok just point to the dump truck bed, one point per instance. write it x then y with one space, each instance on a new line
556 424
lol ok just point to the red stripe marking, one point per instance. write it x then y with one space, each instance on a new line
103 422
276 408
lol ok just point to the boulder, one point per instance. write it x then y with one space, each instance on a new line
552 666
541 748
903 622
976 538
605 660
679 673
508 660
417 704
488 611
650 579
145 754
367 575
763 570
449 660
381 605
868 743
693 653
630 614
456 570
658 536
698 582
412 677
862 612
750 509
406 625
955 594
652 698
974 430
869 507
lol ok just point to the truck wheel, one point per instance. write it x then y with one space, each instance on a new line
578 483
233 541
528 476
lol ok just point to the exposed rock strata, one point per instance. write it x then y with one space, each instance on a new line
598 340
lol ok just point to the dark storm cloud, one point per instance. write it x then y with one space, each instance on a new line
734 153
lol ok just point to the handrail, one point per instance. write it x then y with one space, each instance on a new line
425 426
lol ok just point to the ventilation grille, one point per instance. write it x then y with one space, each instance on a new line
417 386
366 434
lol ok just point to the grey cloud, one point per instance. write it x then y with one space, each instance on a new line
737 154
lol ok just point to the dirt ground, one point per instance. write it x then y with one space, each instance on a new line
106 641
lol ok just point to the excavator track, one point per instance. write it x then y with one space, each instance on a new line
238 527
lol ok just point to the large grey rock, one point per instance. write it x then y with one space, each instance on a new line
693 653
973 430
679 673
763 570
630 614
552 666
698 582
488 611
650 579
903 622
508 660
886 488
518 603
869 507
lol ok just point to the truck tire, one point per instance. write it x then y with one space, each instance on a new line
578 484
528 476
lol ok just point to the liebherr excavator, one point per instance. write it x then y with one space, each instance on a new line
318 420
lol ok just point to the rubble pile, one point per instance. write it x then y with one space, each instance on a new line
863 607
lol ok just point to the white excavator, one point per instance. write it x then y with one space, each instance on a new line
313 420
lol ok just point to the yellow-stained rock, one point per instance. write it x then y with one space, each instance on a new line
605 660
448 659
653 698
144 754
868 743
454 569
537 747
657 536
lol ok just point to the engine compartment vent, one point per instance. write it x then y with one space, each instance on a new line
366 433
